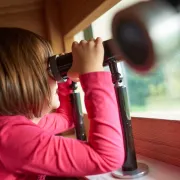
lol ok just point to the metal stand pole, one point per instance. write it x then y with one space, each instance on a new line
77 113
131 169
78 121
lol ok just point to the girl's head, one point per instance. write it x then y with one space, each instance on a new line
25 87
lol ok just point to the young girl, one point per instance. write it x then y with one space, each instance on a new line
28 94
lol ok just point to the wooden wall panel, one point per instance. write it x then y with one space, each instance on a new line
157 138
27 14
153 150
31 20
84 12
56 20
54 27
13 3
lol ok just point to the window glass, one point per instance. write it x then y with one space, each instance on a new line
156 94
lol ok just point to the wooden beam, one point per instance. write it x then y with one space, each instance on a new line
64 19
79 14
53 26
68 44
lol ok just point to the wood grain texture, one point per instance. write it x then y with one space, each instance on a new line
68 44
78 16
14 7
158 139
155 138
10 3
32 20
56 20
54 26
28 14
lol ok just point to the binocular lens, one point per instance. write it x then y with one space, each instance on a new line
132 41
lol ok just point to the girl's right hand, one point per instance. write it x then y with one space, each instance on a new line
87 57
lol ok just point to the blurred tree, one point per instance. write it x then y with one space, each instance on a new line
140 87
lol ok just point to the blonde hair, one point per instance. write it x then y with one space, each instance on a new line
23 78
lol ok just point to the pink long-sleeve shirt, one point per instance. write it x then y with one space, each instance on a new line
28 149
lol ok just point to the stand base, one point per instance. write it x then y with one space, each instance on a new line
139 172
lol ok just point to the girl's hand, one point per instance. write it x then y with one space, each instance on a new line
87 57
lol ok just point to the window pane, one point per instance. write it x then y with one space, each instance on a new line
155 95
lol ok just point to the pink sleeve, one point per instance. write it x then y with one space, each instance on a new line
62 119
29 149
